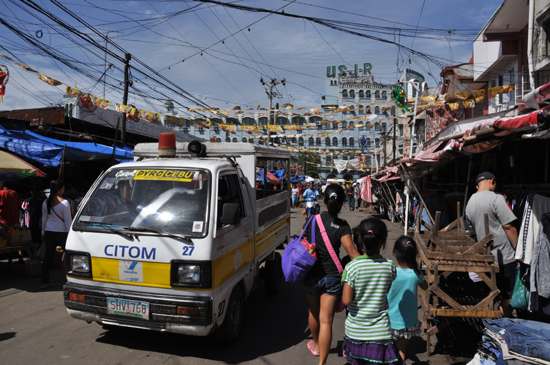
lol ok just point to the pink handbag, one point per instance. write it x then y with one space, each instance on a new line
340 306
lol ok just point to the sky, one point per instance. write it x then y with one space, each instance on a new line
202 54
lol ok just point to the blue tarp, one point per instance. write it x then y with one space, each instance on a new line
49 151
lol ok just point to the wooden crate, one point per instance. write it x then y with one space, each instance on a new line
446 258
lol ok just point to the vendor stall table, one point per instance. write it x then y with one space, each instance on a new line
447 257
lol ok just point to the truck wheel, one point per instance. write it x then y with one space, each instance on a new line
273 275
232 325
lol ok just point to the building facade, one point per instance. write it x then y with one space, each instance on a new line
356 108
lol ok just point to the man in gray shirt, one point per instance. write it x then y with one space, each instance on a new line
505 234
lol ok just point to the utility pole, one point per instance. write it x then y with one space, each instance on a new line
384 137
393 145
270 94
125 95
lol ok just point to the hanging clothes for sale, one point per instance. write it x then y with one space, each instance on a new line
535 207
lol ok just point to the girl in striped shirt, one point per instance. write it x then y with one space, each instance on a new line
367 280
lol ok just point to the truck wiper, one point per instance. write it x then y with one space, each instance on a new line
128 236
184 239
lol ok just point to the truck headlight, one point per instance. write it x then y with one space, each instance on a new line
80 263
190 274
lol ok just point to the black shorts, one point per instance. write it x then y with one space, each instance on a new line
506 278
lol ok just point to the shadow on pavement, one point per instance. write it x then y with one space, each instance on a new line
15 277
273 323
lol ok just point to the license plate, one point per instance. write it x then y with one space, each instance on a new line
128 308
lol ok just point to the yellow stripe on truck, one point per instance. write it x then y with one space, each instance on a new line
154 273
157 274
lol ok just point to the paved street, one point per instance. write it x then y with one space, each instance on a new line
35 328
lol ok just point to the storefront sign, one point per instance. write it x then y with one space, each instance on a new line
343 71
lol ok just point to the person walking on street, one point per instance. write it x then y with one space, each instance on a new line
357 196
402 297
501 217
351 200
295 196
323 285
56 223
367 280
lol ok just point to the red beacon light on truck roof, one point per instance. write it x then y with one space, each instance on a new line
167 145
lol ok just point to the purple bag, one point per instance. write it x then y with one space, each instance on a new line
297 261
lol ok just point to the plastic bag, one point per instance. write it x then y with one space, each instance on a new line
520 295
41 252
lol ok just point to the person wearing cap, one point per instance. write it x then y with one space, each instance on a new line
501 217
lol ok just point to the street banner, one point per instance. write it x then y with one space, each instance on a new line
274 128
340 165
228 127
172 120
201 123
49 80
149 116
250 128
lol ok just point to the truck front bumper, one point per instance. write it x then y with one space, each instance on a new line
163 310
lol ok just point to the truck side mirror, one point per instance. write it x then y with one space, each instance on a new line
230 214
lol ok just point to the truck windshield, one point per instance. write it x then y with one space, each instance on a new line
166 200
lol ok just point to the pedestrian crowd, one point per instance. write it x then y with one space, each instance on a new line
379 296
353 194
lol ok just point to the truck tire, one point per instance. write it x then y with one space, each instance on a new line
231 328
273 274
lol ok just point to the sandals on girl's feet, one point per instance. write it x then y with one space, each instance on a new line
310 348
46 286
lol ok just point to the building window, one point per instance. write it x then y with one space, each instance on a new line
335 142
361 94
245 140
300 141
351 142
227 139
352 93
218 140
294 140
377 110
251 140
351 124
377 143
334 125
383 124
377 94
400 130
344 124
368 143
361 109
368 94
327 141
235 140
318 141
344 142
311 140
367 109
344 93
384 95
377 127
328 159
367 160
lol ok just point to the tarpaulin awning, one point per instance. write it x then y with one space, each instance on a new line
49 151
270 177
